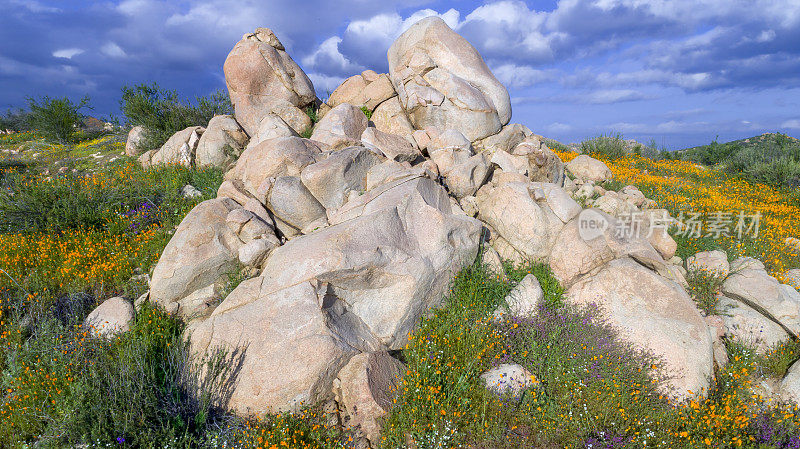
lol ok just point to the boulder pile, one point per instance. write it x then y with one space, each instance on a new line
353 233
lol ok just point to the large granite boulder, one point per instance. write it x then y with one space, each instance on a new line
442 81
262 78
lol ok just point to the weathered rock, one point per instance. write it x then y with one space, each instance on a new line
389 258
270 127
200 253
654 314
578 250
221 143
248 225
442 80
752 285
508 379
710 262
363 90
200 303
492 259
133 146
190 191
390 145
589 168
524 299
331 180
390 118
147 157
262 78
114 316
750 327
509 137
543 164
253 253
293 205
521 214
467 177
285 156
290 357
656 223
790 385
180 148
341 127
367 385
792 278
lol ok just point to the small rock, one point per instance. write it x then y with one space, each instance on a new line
508 379
523 299
711 262
112 317
189 191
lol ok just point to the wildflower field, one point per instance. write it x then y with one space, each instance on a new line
71 238
684 188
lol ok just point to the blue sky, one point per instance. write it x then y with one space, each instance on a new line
680 72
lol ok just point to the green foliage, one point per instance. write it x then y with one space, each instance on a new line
611 146
772 159
162 113
30 203
367 111
443 403
778 359
311 112
17 120
704 288
55 118
142 388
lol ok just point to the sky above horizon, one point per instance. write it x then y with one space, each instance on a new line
676 72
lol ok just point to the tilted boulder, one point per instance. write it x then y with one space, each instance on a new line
221 143
654 314
390 145
441 80
262 78
290 355
528 216
331 180
751 284
589 169
390 118
294 207
368 90
341 127
509 137
577 250
285 156
200 253
365 388
709 262
271 127
180 148
748 326
136 136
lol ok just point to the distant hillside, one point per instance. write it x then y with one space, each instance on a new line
771 158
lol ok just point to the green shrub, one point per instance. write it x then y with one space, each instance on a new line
703 288
56 118
162 113
611 146
17 120
366 112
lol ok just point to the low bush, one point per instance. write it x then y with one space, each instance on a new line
56 118
704 289
162 113
16 120
611 146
